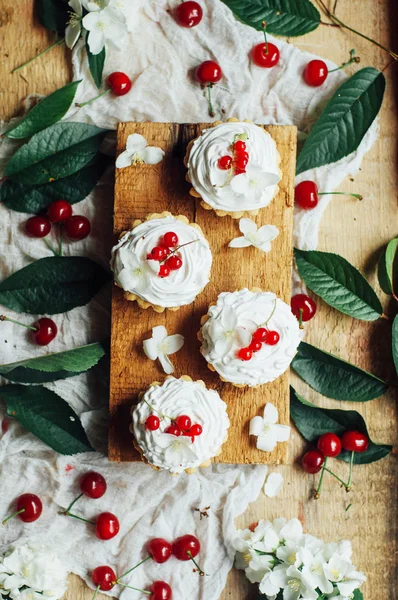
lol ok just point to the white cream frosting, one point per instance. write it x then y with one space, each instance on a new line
209 180
176 397
245 311
134 274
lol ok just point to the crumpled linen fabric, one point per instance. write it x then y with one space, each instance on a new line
160 57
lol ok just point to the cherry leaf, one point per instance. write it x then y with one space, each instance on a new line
96 64
53 14
385 268
395 342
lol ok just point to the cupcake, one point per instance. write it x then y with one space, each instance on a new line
249 337
179 425
163 262
234 168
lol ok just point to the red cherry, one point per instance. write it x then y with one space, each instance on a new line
225 162
164 271
186 547
59 211
196 429
28 508
159 549
315 73
306 195
265 59
188 14
173 430
93 485
77 227
160 589
239 146
37 227
170 239
208 72
329 444
303 305
46 331
312 461
106 526
104 578
272 338
119 83
174 262
5 424
245 353
157 253
255 345
355 441
260 334
152 423
183 422
240 163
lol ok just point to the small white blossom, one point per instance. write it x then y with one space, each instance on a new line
135 274
226 332
138 151
293 583
259 238
160 345
266 429
253 182
273 485
105 25
177 449
74 28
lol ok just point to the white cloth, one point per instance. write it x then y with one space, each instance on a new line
160 59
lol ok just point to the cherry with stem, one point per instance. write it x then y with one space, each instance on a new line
44 330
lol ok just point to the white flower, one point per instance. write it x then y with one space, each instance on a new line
293 582
342 572
95 5
253 182
273 485
226 332
160 345
74 28
135 274
260 238
177 450
138 151
258 567
104 25
267 431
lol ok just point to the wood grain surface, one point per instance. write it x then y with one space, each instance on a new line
144 189
358 231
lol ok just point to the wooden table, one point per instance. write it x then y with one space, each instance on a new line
357 230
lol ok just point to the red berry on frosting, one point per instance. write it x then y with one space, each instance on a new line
272 338
59 211
260 334
315 73
173 430
255 345
174 262
38 227
183 422
157 253
265 55
120 83
225 162
170 239
164 271
245 353
196 429
239 146
152 423
240 163
188 14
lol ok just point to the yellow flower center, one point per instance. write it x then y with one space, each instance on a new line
294 584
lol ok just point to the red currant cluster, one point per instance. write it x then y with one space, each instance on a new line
238 161
166 254
329 446
260 336
76 227
182 425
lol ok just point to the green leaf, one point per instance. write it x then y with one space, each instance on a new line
47 416
53 14
357 595
52 367
96 64
395 342
313 421
338 283
56 152
46 113
53 285
283 17
345 120
334 377
385 268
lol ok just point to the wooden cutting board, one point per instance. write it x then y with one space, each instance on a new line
144 189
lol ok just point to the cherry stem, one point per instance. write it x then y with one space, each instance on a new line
201 573
13 515
211 109
56 43
50 247
158 411
353 59
81 104
348 486
130 570
264 26
136 589
177 249
301 326
69 514
271 315
336 477
4 318
358 196
72 504
318 490
96 592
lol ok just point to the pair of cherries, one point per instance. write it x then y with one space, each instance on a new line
182 425
76 227
238 161
260 336
165 253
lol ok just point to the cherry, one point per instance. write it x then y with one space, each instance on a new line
225 162
315 73
93 485
265 55
312 461
106 526
164 271
329 444
272 338
29 508
119 83
306 195
208 72
46 331
173 430
59 211
255 345
188 14
160 550
186 547
37 227
77 227
196 429
160 591
239 146
240 163
152 423
174 262
303 307
170 238
260 334
244 353
355 441
104 578
157 253
183 422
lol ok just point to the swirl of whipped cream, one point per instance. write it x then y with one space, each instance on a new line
214 185
176 397
134 274
231 323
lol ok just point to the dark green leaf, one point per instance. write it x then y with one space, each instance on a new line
385 269
46 113
53 285
312 422
47 416
52 367
338 283
334 377
357 595
345 120
395 342
283 17
53 14
96 64
56 152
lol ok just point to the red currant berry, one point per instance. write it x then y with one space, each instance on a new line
208 72
272 338
164 271
225 162
106 526
174 262
170 239
244 353
152 423
160 550
255 345
173 430
46 331
104 578
5 424
183 422
157 253
188 14
93 485
260 334
28 508
315 73
239 171
196 429
304 306
306 195
239 146
77 227
59 211
329 444
312 461
240 163
38 227
160 589
265 59
355 441
119 83
185 547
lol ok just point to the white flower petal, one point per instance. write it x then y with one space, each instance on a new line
135 143
72 34
223 345
151 348
240 242
153 265
273 485
228 318
267 233
166 363
173 343
124 159
96 39
270 413
256 426
282 433
76 6
243 337
268 441
153 155
240 184
268 179
159 333
247 226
